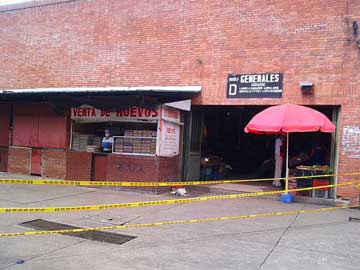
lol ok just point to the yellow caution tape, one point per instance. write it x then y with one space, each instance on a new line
161 202
177 222
154 184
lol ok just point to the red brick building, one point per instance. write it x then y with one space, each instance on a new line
94 44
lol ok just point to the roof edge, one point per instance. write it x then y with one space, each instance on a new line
165 89
31 4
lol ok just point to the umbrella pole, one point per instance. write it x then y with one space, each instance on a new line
287 164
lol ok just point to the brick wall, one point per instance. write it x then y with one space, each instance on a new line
90 43
3 159
142 169
349 149
133 168
121 43
78 165
169 169
19 160
54 163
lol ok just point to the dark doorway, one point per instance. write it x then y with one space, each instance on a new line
224 137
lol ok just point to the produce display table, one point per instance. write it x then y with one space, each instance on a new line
212 169
313 182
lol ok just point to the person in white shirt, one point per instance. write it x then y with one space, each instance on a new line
107 141
279 159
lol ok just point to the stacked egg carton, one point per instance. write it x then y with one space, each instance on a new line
137 141
128 142
80 141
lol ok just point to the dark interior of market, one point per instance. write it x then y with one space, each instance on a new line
246 155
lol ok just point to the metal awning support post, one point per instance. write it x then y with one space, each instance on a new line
287 164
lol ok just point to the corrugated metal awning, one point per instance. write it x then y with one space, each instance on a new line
106 98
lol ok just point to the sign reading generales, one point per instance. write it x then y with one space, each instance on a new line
266 85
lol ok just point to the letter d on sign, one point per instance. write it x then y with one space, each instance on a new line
232 89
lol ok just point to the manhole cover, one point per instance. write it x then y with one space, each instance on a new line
108 237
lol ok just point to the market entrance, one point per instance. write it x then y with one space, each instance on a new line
232 152
227 152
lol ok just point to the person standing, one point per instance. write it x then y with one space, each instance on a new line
107 141
279 159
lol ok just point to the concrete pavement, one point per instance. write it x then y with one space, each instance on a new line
306 241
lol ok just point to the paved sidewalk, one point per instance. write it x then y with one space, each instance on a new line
324 240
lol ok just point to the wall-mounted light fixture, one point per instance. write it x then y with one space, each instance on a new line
307 87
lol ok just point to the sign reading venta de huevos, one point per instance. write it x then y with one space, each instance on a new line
87 113
265 85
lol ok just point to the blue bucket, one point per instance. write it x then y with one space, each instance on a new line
286 197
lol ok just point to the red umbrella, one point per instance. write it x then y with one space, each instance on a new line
288 118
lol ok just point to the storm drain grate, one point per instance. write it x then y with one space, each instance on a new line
101 236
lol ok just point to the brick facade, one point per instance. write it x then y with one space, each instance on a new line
4 152
54 163
123 43
19 160
142 169
349 148
169 169
61 164
78 165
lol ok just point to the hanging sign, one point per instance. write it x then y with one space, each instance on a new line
265 85
170 114
90 114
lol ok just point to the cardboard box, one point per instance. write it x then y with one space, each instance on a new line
128 141
146 133
128 147
128 133
92 148
119 149
137 133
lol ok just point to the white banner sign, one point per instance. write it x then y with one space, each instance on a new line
91 114
169 132
169 139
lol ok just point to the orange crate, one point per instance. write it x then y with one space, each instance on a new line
321 182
